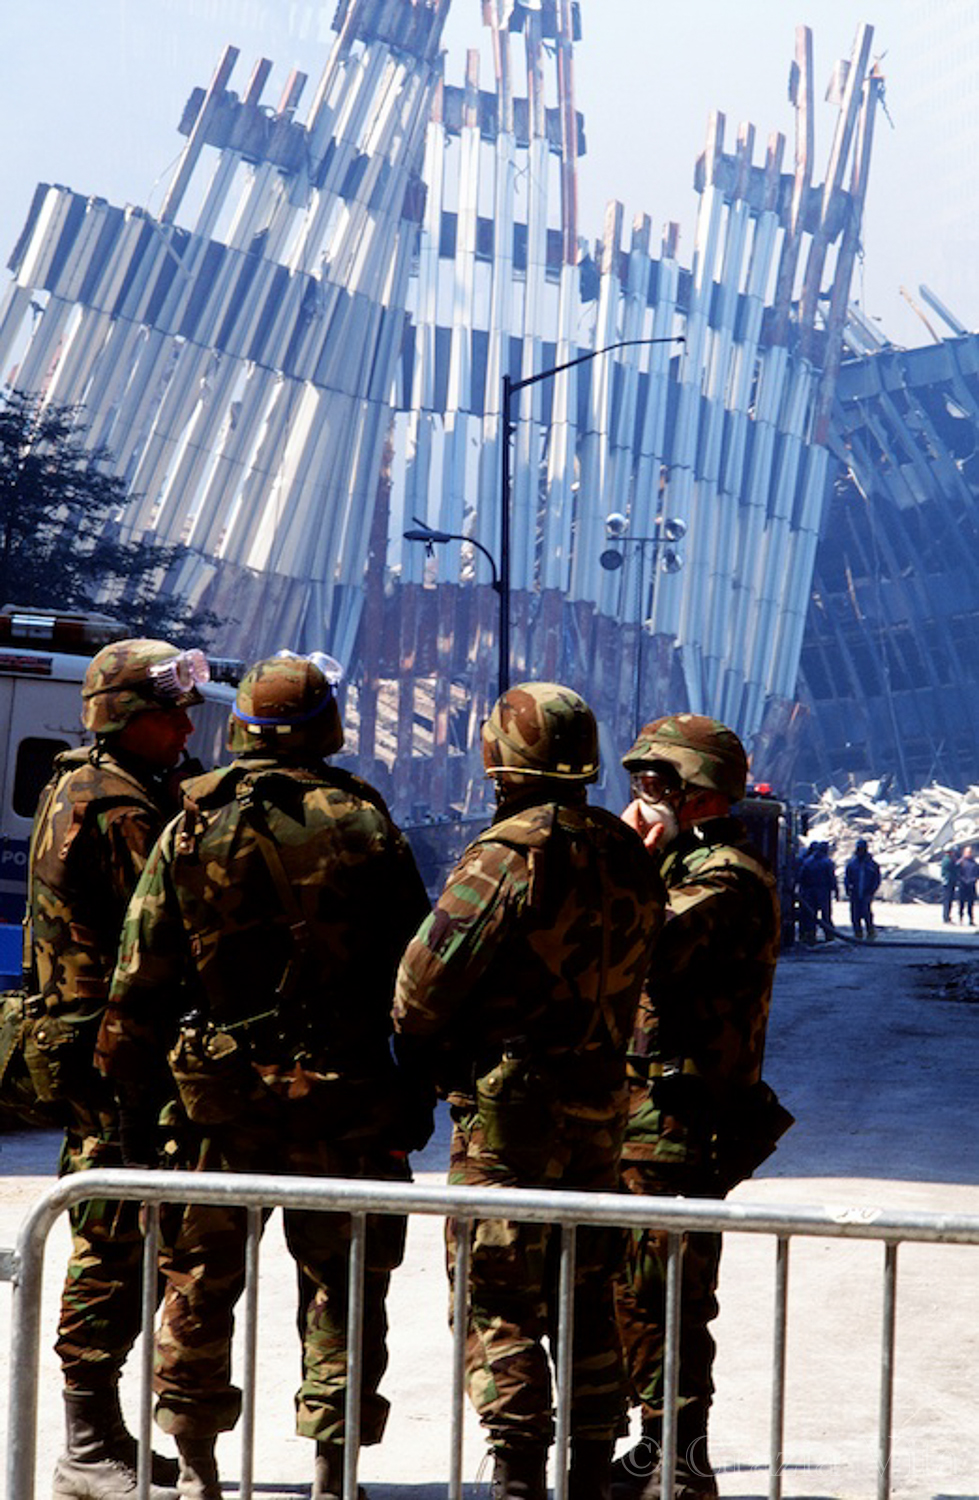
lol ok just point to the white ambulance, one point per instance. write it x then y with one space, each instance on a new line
43 658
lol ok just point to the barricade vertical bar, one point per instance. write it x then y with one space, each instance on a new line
564 1371
671 1361
151 1280
460 1320
355 1338
887 1372
778 1367
252 1241
25 1343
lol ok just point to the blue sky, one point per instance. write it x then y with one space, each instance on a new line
93 89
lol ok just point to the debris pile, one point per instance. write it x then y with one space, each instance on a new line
907 837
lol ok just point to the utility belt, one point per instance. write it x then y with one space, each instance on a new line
522 1097
642 1069
572 1075
737 1134
221 1071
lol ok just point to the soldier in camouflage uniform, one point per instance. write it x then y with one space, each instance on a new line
700 1118
258 957
520 992
97 820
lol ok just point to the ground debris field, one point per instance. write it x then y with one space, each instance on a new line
950 982
875 1049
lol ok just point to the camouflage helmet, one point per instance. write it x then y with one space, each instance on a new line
127 678
286 705
541 729
703 751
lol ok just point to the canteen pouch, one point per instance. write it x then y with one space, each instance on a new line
212 1072
518 1110
58 1053
20 1013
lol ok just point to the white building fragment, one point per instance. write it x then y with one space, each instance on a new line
319 358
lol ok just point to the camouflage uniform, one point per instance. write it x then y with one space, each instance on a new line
97 821
696 1051
533 960
314 1084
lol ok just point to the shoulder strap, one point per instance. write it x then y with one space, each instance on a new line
254 815
530 835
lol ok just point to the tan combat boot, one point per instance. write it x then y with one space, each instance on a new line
99 1461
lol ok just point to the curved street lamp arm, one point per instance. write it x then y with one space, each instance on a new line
429 535
519 385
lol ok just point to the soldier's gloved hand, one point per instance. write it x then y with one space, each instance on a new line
138 1137
416 1093
416 1122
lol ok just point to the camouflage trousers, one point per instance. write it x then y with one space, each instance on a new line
206 1275
640 1293
101 1310
513 1287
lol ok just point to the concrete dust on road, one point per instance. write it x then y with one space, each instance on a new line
875 1049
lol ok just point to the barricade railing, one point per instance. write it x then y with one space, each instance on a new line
23 1267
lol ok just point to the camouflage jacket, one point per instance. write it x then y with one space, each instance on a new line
207 930
703 1015
98 818
543 932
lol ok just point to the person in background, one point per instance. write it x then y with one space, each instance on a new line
826 890
860 882
700 1117
807 882
96 822
968 873
950 880
520 993
256 971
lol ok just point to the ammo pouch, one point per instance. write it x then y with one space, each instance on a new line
27 1070
518 1111
213 1074
748 1132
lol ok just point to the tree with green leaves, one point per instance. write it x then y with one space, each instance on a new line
60 540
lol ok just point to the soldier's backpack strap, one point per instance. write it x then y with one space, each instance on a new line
529 834
254 815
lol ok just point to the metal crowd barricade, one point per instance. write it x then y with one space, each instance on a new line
24 1265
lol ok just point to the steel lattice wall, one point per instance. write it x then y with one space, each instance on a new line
320 357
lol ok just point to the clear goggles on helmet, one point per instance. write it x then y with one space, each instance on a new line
328 665
179 675
655 784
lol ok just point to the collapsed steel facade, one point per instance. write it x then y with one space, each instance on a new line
890 662
320 358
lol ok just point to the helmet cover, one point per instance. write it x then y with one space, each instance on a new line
286 705
703 751
130 677
541 729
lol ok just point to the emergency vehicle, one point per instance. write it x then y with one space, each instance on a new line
776 828
43 658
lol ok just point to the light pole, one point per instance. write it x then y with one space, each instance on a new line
669 530
432 537
508 428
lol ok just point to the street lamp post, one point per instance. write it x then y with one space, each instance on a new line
669 531
510 388
422 532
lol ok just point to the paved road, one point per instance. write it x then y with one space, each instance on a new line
876 1051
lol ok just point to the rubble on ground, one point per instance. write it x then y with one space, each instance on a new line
907 837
